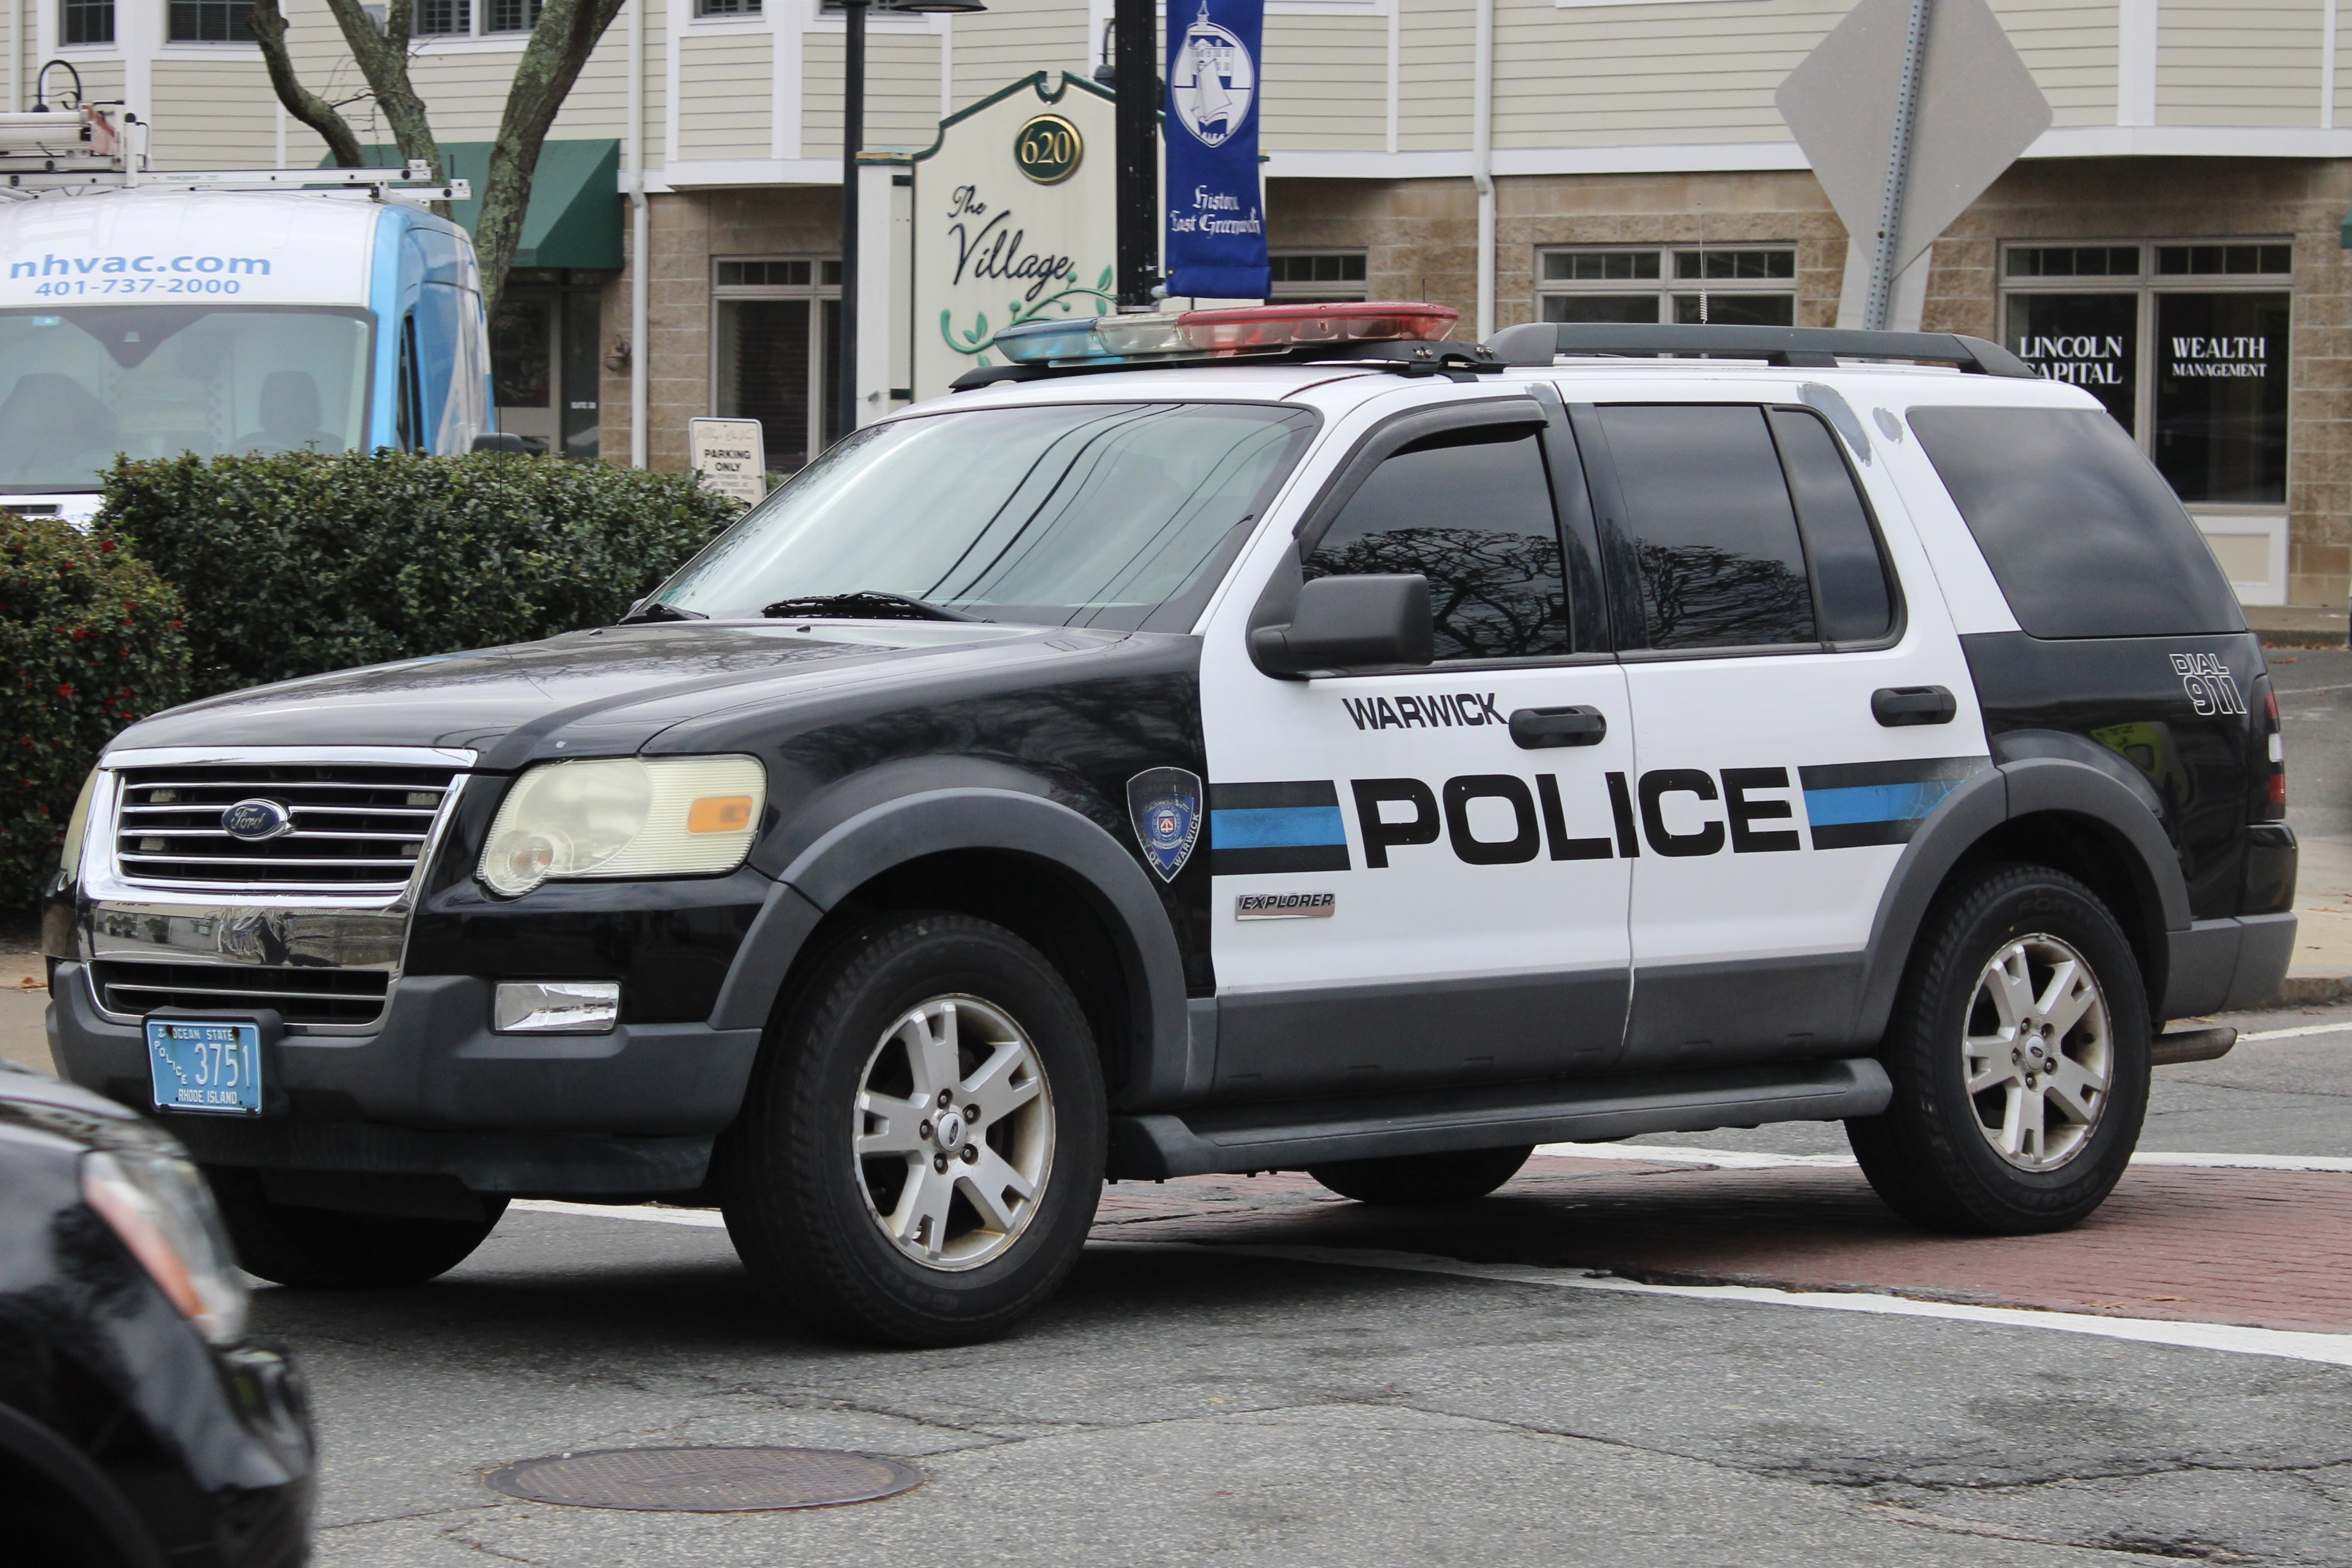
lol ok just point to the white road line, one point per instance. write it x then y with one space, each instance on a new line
1747 1159
707 1219
2296 1033
2333 1349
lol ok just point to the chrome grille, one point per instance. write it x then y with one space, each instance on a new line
321 995
357 827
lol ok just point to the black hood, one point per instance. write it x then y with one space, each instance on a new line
602 692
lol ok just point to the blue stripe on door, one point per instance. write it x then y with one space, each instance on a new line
1276 828
1876 802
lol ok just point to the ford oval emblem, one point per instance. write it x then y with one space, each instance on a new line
255 821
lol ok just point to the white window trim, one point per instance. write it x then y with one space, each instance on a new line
1666 286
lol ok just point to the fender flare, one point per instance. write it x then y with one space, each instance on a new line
1007 820
2026 787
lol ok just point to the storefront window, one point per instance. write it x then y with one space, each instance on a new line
2091 340
2221 395
778 330
2185 345
1720 286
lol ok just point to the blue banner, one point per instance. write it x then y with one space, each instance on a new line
1216 228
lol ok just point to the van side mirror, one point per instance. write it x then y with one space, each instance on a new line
1349 623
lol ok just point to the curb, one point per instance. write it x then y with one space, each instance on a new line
2319 988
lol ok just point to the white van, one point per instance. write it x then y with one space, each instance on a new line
153 323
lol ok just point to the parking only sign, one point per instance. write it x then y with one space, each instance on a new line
730 455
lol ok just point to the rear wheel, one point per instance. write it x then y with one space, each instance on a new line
2019 1051
1422 1178
333 1250
921 1149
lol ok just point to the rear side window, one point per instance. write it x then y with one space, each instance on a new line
2082 535
1849 574
1471 510
1715 538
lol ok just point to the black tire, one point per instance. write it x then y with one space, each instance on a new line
1424 1178
1931 1156
329 1250
807 1213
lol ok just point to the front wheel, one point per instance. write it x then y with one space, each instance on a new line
2019 1051
329 1250
921 1149
1403 1179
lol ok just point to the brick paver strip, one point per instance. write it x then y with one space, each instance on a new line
2267 1248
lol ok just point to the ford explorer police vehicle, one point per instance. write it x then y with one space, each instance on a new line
1247 740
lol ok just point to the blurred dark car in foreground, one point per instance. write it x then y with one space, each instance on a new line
139 1425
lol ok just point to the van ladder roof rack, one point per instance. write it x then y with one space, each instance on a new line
1539 342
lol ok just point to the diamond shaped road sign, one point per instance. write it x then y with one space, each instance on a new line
1975 109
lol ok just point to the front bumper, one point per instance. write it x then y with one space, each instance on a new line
433 1090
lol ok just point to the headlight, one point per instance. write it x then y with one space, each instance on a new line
70 856
662 817
161 1208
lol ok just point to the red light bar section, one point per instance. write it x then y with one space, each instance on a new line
1245 326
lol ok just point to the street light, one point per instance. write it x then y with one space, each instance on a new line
852 140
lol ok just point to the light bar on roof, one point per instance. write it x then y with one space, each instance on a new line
1239 332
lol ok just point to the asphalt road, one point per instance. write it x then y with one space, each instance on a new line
1184 1402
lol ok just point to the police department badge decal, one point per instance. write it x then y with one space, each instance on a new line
1164 804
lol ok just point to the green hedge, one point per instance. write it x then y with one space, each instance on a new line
296 564
90 639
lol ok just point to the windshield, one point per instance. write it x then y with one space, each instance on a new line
1071 514
80 385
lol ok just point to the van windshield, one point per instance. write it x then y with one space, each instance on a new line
1061 514
80 385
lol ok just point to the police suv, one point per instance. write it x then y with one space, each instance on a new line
1247 740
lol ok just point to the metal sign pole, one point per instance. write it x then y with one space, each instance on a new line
1135 65
853 137
1881 299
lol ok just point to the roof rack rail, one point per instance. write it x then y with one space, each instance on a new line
1539 342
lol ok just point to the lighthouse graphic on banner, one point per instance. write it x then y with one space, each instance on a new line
1215 222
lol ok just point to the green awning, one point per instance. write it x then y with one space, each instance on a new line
574 218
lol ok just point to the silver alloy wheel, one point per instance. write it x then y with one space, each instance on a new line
955 1132
2039 1052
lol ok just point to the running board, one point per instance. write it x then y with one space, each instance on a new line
1290 1134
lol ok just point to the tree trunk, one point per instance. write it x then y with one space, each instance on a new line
551 62
269 31
382 59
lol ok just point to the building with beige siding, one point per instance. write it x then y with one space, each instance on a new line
2172 242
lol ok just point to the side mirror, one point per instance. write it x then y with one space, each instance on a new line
1349 623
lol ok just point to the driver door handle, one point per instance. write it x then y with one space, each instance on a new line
1535 729
1896 706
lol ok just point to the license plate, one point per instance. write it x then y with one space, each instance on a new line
202 1066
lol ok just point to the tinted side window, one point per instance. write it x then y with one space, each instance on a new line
1471 510
1714 536
2082 535
1850 577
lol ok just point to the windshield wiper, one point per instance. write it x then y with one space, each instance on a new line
866 605
646 610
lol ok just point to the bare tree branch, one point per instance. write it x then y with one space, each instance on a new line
561 43
382 59
269 31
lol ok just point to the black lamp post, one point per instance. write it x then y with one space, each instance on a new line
852 141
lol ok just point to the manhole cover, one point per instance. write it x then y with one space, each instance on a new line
706 1480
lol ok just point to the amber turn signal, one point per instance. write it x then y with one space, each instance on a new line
720 814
